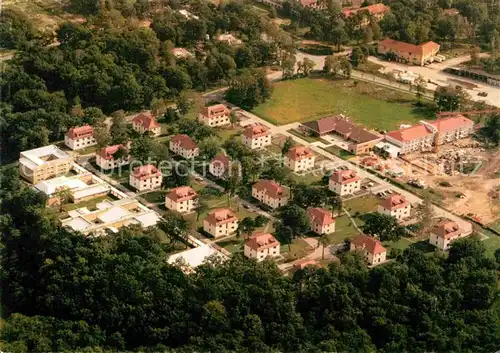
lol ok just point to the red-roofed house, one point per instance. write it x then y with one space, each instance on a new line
371 248
314 4
375 11
344 182
452 128
409 53
145 177
80 137
220 222
106 159
184 146
444 233
395 205
299 158
261 245
321 220
145 122
256 136
410 139
215 115
270 193
182 199
219 165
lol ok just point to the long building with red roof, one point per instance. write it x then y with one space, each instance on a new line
80 137
409 53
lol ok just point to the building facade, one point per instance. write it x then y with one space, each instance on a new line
220 222
44 163
219 166
261 245
372 249
344 182
106 158
184 146
256 136
409 53
146 177
143 123
182 199
215 115
445 233
80 137
270 193
299 158
395 205
321 220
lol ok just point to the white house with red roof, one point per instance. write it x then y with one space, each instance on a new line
256 136
182 199
446 232
80 137
184 146
395 205
107 157
344 182
314 4
220 222
409 53
145 122
145 177
372 249
299 158
375 12
261 245
215 115
270 193
321 220
219 165
452 128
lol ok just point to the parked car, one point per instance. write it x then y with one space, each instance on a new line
483 94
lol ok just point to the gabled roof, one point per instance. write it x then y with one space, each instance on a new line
410 133
220 216
215 110
320 216
341 125
271 188
221 161
182 193
404 47
147 121
259 241
394 201
344 176
108 152
145 172
184 141
372 9
256 130
300 265
446 229
370 244
297 153
80 132
451 123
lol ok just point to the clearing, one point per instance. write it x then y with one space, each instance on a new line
308 99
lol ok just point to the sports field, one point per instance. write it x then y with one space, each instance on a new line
367 104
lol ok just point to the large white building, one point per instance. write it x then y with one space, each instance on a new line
261 245
107 158
146 177
445 233
184 146
44 163
215 115
320 220
270 193
373 251
145 122
395 205
299 158
80 137
182 199
344 182
256 136
220 222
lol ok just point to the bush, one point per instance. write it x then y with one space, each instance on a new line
445 184
394 253
317 49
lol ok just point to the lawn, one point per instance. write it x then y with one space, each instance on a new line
308 99
492 243
363 204
339 152
308 138
89 204
343 229
299 248
157 196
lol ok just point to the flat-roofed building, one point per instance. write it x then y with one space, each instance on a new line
44 163
320 220
182 199
146 122
184 146
215 115
444 233
299 158
395 205
80 137
112 157
344 182
145 177
270 193
256 136
372 249
261 245
220 222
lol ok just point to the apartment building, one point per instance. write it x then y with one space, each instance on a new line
80 137
112 157
215 115
260 246
321 220
344 182
184 146
444 233
270 193
375 12
409 53
220 222
182 199
395 205
299 158
145 122
256 136
146 177
44 163
372 249
219 165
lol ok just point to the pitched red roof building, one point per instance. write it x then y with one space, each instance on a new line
407 52
344 176
108 152
145 122
320 216
184 146
394 201
182 193
145 172
256 130
259 241
297 153
220 216
370 244
375 9
271 188
80 132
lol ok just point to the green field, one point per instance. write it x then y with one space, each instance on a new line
309 99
